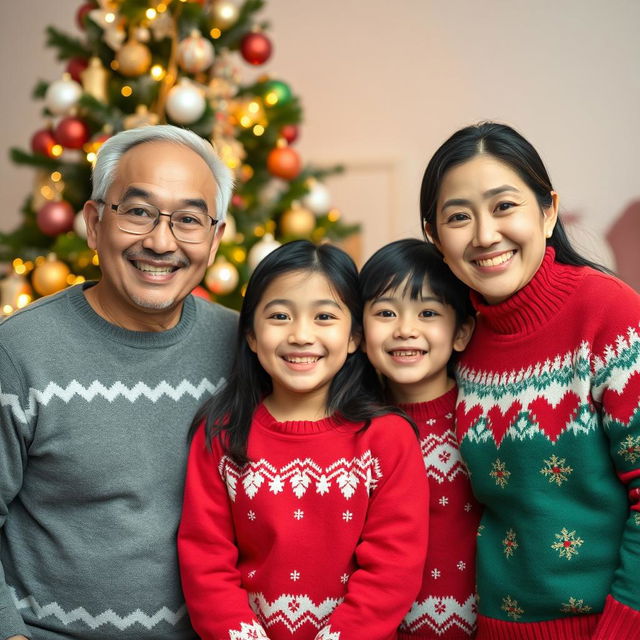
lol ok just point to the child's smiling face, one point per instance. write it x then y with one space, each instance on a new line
410 341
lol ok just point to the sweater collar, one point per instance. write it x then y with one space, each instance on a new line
433 409
535 304
295 427
141 339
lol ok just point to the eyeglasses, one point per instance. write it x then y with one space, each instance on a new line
140 218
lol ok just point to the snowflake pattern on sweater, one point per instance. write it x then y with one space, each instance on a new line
446 605
549 399
322 521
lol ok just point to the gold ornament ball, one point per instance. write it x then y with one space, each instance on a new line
298 222
133 58
225 14
50 276
222 277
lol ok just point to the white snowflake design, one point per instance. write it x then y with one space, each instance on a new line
435 573
251 515
461 566
295 575
298 514
344 578
347 516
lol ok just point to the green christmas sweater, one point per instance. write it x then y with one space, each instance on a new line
548 418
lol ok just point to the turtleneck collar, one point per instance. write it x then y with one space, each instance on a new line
295 427
432 409
536 303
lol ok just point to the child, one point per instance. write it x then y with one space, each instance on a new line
303 502
417 316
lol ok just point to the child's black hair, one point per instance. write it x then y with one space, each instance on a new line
352 393
407 265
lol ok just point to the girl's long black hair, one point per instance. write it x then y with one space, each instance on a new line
411 264
507 145
353 390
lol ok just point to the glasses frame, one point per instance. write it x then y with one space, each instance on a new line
114 207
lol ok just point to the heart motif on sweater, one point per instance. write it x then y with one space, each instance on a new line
553 420
466 419
621 406
499 421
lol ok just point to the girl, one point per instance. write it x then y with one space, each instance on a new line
417 317
303 511
548 411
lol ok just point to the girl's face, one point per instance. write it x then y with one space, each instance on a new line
410 342
490 227
302 336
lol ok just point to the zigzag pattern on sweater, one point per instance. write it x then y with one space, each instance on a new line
440 614
300 473
292 611
108 617
252 631
98 390
547 398
441 456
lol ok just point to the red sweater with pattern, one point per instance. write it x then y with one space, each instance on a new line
322 535
446 605
548 419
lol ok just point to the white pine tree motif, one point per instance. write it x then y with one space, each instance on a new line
251 482
252 631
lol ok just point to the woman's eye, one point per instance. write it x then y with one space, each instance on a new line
457 218
505 206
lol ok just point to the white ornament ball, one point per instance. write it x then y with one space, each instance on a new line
318 199
195 53
222 277
261 250
185 103
80 226
62 95
230 230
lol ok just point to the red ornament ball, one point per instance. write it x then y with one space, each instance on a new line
255 48
72 133
55 218
82 11
42 142
201 292
290 133
75 67
284 162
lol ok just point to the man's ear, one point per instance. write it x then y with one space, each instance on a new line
463 334
217 237
91 215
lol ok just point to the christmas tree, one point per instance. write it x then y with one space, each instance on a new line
146 62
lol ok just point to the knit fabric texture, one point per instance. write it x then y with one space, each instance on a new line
322 535
549 422
446 606
93 447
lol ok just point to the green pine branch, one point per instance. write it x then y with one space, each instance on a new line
67 46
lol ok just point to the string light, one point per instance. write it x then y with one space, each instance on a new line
215 33
151 13
126 91
91 157
109 17
333 215
238 255
23 300
158 72
161 8
95 260
7 309
271 98
258 130
56 176
56 150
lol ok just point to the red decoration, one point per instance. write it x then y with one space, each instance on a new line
72 133
55 217
255 48
42 142
284 162
290 132
201 292
238 201
82 11
75 67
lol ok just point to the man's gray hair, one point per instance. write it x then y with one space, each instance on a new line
115 147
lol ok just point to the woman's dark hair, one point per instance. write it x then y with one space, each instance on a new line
352 392
507 145
410 264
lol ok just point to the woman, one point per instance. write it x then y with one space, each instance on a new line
548 412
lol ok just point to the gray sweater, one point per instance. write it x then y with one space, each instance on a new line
93 445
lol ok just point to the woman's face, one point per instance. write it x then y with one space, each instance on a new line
490 227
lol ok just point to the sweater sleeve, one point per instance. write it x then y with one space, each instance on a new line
392 550
14 430
218 605
617 389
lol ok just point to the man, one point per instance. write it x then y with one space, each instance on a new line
98 386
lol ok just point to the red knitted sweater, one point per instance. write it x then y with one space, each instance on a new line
321 535
446 605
